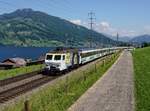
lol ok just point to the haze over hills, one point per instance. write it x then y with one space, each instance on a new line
122 39
137 39
125 39
141 39
26 27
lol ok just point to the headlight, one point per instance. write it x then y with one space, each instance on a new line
57 65
47 64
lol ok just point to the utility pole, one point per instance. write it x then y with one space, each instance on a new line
91 23
66 41
117 38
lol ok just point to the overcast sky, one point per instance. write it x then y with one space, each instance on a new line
127 17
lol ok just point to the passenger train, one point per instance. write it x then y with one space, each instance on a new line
66 59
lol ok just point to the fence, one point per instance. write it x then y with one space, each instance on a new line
84 78
35 62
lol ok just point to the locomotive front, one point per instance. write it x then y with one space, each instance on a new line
58 61
55 61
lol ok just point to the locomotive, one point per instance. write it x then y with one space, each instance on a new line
61 60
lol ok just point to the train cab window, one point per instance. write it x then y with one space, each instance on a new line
57 57
63 57
49 57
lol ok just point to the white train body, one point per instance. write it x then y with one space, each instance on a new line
55 61
90 55
62 60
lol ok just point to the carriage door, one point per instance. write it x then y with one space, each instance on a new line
75 59
73 56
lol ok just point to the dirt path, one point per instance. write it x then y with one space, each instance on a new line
113 92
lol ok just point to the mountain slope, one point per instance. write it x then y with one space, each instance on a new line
121 39
141 39
125 39
26 27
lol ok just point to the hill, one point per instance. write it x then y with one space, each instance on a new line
125 39
121 39
25 27
141 39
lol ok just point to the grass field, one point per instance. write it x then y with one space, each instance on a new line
14 72
62 94
142 78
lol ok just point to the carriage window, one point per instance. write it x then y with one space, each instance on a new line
57 57
49 57
63 57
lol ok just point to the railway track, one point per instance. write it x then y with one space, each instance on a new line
16 91
19 78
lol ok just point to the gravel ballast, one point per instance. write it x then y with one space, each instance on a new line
22 98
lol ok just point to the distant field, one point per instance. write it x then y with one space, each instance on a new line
18 71
142 78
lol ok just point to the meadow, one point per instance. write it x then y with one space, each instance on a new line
18 71
141 58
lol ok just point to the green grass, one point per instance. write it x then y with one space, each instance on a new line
142 78
17 71
62 94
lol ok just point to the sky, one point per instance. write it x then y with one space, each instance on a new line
126 17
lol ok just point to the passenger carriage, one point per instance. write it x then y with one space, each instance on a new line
67 59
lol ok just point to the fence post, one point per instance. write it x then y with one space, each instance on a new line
84 76
27 105
26 69
66 86
95 67
41 66
16 71
112 57
103 62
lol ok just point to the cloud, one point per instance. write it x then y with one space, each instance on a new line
106 28
130 33
77 21
147 29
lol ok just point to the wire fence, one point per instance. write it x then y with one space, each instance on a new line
65 86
